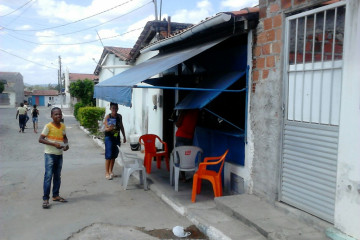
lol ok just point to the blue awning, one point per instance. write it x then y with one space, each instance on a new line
119 87
215 85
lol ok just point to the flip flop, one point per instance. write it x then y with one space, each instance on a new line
46 204
59 199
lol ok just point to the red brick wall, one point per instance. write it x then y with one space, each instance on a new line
268 42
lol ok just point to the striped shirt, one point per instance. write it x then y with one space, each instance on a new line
54 134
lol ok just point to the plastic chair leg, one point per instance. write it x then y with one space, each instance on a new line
198 187
177 173
171 173
148 163
125 178
158 162
194 188
215 187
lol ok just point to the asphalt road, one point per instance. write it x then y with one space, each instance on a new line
97 208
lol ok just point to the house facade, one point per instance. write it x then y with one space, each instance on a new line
44 97
304 106
139 116
67 99
13 93
300 107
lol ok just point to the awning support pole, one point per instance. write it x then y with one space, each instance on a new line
246 103
223 119
192 89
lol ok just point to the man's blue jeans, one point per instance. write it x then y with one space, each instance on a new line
53 166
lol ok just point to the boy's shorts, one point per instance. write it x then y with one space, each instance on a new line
35 119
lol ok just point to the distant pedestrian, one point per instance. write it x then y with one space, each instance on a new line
26 106
22 116
113 126
35 114
55 140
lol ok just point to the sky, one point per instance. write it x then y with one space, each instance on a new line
34 33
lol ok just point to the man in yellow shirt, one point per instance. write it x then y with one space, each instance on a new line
21 112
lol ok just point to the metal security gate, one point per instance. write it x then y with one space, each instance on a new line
313 79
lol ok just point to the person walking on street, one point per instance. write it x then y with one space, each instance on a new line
55 140
26 106
113 126
35 114
22 116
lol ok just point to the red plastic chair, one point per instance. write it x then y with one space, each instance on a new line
148 140
213 176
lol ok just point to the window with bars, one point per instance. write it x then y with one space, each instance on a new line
314 66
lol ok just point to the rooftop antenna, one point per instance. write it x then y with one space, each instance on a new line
156 15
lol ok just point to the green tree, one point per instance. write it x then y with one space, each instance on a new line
83 90
2 87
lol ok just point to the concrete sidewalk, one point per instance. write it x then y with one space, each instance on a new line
230 217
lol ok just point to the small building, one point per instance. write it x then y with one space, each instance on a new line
73 77
13 93
43 97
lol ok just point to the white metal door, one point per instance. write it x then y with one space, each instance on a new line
312 80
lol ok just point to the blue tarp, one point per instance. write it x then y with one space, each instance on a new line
216 85
119 87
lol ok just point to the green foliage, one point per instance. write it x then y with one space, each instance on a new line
89 117
2 87
83 90
77 106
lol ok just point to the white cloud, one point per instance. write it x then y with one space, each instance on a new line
233 5
203 10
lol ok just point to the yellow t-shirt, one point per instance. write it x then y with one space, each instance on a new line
21 110
54 134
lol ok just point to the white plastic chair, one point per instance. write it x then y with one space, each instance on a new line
183 158
132 163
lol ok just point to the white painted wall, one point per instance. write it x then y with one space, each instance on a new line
347 205
141 118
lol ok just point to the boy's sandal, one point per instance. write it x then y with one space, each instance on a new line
46 204
59 199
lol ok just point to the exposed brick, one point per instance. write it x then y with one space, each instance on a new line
268 24
253 87
265 74
255 75
328 47
257 51
262 12
274 8
266 50
285 4
270 36
270 61
260 63
338 48
277 21
278 33
296 2
276 47
308 46
261 38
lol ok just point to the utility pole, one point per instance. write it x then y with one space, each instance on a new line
60 81
156 14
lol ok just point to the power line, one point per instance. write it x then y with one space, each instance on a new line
26 59
62 25
17 9
69 44
84 29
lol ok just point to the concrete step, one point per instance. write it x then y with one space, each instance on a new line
271 222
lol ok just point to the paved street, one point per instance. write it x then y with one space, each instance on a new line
97 208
